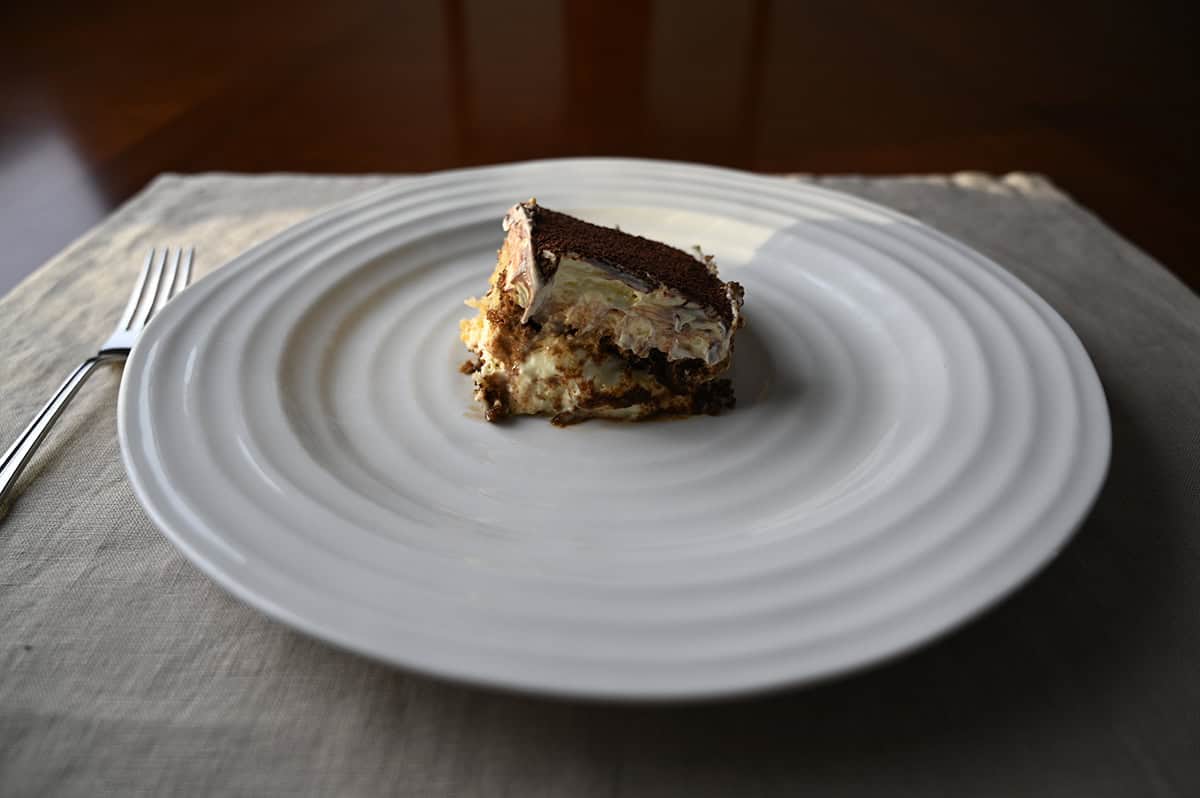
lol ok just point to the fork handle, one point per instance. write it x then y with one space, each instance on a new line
19 454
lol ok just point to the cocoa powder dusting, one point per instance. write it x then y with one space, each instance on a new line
650 261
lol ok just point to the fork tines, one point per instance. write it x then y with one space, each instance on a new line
163 275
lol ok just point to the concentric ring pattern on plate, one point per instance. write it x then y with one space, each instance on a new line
916 434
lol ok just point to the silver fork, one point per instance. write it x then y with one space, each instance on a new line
163 277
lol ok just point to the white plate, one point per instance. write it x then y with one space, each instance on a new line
916 434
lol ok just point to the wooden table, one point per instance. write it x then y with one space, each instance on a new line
1103 97
97 98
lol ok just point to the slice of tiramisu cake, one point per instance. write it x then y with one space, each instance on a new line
583 321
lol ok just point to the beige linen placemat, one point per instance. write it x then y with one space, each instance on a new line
124 670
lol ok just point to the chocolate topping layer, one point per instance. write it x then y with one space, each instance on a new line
650 261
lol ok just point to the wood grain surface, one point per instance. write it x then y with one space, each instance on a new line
97 98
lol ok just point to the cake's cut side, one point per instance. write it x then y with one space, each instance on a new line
582 321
